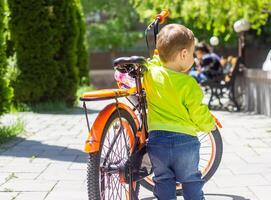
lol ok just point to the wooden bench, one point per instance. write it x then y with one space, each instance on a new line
224 84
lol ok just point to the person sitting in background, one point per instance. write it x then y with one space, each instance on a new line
207 64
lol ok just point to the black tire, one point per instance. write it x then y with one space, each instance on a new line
208 175
93 171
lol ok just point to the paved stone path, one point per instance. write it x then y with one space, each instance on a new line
48 164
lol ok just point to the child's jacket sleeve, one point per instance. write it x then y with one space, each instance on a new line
198 112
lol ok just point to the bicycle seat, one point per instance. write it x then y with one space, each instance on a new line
129 60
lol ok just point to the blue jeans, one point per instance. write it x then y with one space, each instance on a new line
175 158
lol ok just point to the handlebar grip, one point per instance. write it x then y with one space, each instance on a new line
162 16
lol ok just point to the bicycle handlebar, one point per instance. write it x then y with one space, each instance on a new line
160 19
162 16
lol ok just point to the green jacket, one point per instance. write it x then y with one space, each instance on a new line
175 101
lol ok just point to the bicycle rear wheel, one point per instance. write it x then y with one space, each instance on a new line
210 156
108 175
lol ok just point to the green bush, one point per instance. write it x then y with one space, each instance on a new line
8 132
46 36
66 36
6 92
82 53
33 38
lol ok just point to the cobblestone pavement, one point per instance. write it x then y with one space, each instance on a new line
49 164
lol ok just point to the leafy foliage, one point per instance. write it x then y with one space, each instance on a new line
8 132
215 16
112 24
38 70
6 92
48 37
82 52
65 36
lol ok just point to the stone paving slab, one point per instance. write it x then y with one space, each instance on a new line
263 192
23 185
31 195
48 163
68 190
8 195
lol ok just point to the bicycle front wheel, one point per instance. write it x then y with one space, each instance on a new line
210 156
108 175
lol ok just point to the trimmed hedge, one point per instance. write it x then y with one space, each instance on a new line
46 38
66 34
35 47
82 62
6 92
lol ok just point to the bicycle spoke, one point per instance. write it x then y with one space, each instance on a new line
206 147
125 188
117 183
205 141
127 148
203 137
201 166
204 159
205 154
122 132
117 144
104 191
111 147
115 149
112 152
110 197
123 151
201 134
119 190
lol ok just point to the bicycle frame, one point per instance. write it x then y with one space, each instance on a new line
93 141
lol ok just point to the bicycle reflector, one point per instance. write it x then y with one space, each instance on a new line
162 16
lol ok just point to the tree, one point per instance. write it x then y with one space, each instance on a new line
71 56
64 22
49 41
110 27
215 16
82 52
6 92
33 39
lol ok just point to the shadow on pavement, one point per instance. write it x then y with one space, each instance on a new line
228 197
212 197
69 111
34 149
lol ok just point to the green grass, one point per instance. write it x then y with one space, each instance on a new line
8 190
8 132
10 176
51 106
45 107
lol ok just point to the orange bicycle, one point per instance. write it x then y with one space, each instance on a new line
118 163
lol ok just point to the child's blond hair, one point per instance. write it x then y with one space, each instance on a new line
171 39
